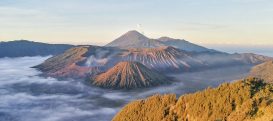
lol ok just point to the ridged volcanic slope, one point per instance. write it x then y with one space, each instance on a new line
129 75
81 61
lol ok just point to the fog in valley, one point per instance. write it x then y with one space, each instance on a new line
25 96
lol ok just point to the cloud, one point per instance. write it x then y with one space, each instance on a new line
26 96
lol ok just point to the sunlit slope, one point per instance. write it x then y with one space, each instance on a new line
264 71
249 99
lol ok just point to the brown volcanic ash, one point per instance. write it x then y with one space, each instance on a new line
129 75
264 71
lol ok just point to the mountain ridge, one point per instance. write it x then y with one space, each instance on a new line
134 39
96 59
20 48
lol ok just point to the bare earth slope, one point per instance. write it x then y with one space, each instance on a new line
249 99
264 71
129 75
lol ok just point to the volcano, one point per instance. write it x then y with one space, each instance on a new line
134 39
87 61
129 75
84 61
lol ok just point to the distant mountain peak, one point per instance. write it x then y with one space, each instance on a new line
134 34
134 39
165 38
161 48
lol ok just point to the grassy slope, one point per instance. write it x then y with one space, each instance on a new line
249 99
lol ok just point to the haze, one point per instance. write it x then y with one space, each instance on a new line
207 22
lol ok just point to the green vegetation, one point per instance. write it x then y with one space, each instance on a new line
250 99
153 109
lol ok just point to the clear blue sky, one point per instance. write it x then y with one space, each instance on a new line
100 21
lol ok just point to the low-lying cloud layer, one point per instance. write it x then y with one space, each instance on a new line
27 97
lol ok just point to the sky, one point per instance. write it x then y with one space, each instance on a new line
205 22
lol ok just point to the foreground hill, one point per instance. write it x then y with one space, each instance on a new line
249 99
129 75
134 39
264 71
20 48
